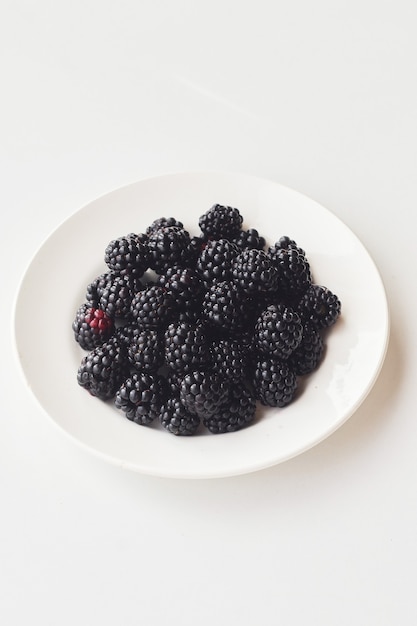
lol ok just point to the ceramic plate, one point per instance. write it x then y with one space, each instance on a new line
73 256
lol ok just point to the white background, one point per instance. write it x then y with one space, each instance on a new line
320 96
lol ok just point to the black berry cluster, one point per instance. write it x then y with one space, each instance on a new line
192 331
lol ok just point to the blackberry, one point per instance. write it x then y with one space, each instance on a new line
184 284
278 331
127 333
95 289
294 275
127 255
152 307
141 396
319 306
163 222
287 243
235 414
102 370
220 222
222 305
175 418
249 239
216 260
202 393
92 327
307 356
197 245
174 380
229 359
117 295
169 246
254 272
146 350
186 346
275 382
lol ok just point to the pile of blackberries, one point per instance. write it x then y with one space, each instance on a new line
193 331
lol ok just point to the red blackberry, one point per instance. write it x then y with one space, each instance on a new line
294 275
202 393
146 350
236 413
92 327
307 356
319 306
278 331
169 246
186 346
175 418
153 307
102 370
216 260
141 396
163 222
220 222
127 255
275 382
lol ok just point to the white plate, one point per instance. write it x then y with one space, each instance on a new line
54 286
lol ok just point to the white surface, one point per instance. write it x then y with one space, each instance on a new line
73 256
320 97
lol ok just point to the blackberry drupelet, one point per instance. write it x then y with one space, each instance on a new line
249 239
146 350
127 255
254 272
127 333
229 359
235 414
294 274
216 260
186 347
275 382
307 356
286 243
141 396
95 289
102 370
202 393
92 327
184 284
169 246
319 306
278 331
223 306
176 419
116 297
163 222
197 245
153 307
220 222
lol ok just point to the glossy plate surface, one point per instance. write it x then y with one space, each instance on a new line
73 256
